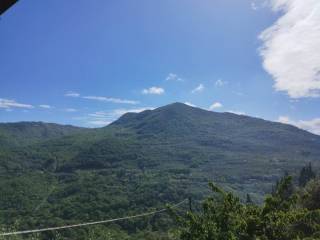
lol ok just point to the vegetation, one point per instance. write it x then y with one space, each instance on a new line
27 133
284 215
306 174
289 213
51 175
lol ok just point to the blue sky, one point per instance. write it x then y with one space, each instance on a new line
87 62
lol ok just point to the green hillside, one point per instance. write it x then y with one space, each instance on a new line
26 133
52 174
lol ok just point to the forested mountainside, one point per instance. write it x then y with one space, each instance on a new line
52 174
26 133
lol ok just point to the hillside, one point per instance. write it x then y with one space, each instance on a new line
141 161
204 127
26 133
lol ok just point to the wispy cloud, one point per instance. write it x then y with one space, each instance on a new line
236 112
72 94
190 104
70 110
291 48
9 103
215 105
174 77
312 125
101 98
220 83
198 89
240 94
45 106
119 112
254 6
102 118
258 4
99 123
110 99
153 90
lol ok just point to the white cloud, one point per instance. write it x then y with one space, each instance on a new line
198 89
110 99
190 104
236 112
99 114
174 77
220 83
254 6
312 125
153 90
291 48
119 112
100 98
8 103
70 110
72 94
284 119
45 106
215 105
258 4
102 118
99 123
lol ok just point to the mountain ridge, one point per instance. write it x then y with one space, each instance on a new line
20 133
130 115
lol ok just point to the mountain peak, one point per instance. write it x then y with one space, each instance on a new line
178 107
179 119
173 119
177 104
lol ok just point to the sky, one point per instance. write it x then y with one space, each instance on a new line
86 63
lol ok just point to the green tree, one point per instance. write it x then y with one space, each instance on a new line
306 174
223 216
248 199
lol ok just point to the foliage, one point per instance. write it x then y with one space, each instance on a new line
51 174
306 174
283 216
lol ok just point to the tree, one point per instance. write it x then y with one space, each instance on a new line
223 217
248 199
310 195
306 174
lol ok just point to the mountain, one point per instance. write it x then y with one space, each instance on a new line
205 128
52 174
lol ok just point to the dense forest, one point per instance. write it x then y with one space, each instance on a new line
290 211
53 175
